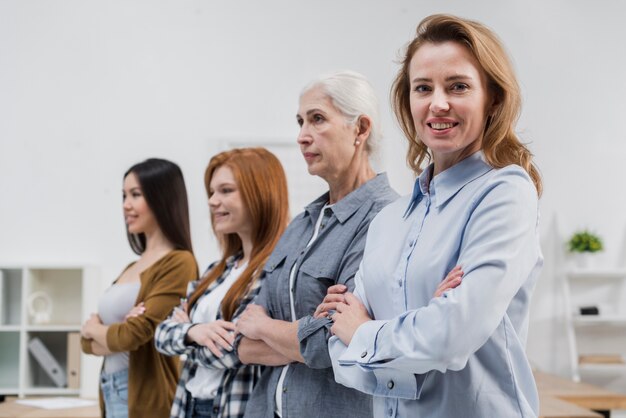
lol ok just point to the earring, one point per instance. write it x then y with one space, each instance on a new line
357 142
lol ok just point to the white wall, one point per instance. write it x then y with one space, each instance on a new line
88 88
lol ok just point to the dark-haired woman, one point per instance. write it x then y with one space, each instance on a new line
247 191
136 381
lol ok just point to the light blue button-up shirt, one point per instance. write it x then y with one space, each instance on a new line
460 355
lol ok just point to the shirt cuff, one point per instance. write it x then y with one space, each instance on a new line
308 325
362 348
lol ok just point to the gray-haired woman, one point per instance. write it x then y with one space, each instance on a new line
322 247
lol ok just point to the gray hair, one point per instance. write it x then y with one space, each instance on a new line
353 96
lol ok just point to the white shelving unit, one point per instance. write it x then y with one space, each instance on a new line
597 342
66 288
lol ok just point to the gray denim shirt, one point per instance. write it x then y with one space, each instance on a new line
310 390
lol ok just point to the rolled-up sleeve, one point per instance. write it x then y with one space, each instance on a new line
314 333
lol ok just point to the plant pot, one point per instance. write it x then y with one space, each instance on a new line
584 260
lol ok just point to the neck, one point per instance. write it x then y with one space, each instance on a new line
156 243
246 244
443 162
358 173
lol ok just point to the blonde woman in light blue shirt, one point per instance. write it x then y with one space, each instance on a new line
475 206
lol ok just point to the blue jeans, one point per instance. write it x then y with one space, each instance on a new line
199 408
115 393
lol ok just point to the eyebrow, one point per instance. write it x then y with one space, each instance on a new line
308 112
450 78
226 183
132 189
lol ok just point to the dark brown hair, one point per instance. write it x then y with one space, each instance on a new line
163 187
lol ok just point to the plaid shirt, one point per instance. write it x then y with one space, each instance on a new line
238 379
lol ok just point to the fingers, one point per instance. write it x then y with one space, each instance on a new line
452 280
336 289
180 316
226 325
352 300
214 349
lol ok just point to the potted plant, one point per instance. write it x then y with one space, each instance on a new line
583 244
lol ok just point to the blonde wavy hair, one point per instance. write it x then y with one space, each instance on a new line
500 144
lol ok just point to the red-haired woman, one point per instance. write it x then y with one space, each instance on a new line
247 191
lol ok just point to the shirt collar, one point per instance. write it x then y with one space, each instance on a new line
446 184
344 208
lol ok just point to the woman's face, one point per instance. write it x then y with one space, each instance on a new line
228 212
449 101
137 214
326 139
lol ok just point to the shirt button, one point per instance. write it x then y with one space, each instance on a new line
390 384
390 412
216 410
363 354
400 283
284 389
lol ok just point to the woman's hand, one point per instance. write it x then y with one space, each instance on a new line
452 280
348 317
252 321
88 327
215 336
136 311
180 316
334 295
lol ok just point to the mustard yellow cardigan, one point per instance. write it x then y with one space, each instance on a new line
152 377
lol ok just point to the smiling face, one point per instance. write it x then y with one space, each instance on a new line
228 212
137 214
326 140
449 101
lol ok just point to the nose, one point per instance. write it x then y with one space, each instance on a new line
213 201
439 102
304 137
126 204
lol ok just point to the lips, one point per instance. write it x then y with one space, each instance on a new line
220 215
441 125
309 156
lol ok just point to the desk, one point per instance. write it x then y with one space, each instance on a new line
10 409
551 407
581 394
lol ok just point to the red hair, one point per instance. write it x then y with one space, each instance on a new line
262 184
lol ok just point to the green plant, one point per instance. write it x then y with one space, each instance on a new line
585 241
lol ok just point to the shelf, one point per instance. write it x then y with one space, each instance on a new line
9 328
600 319
595 274
64 289
9 360
10 296
46 302
9 391
53 328
50 391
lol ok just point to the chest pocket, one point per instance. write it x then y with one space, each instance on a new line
315 275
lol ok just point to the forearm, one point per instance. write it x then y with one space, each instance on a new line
258 352
282 336
99 349
98 333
